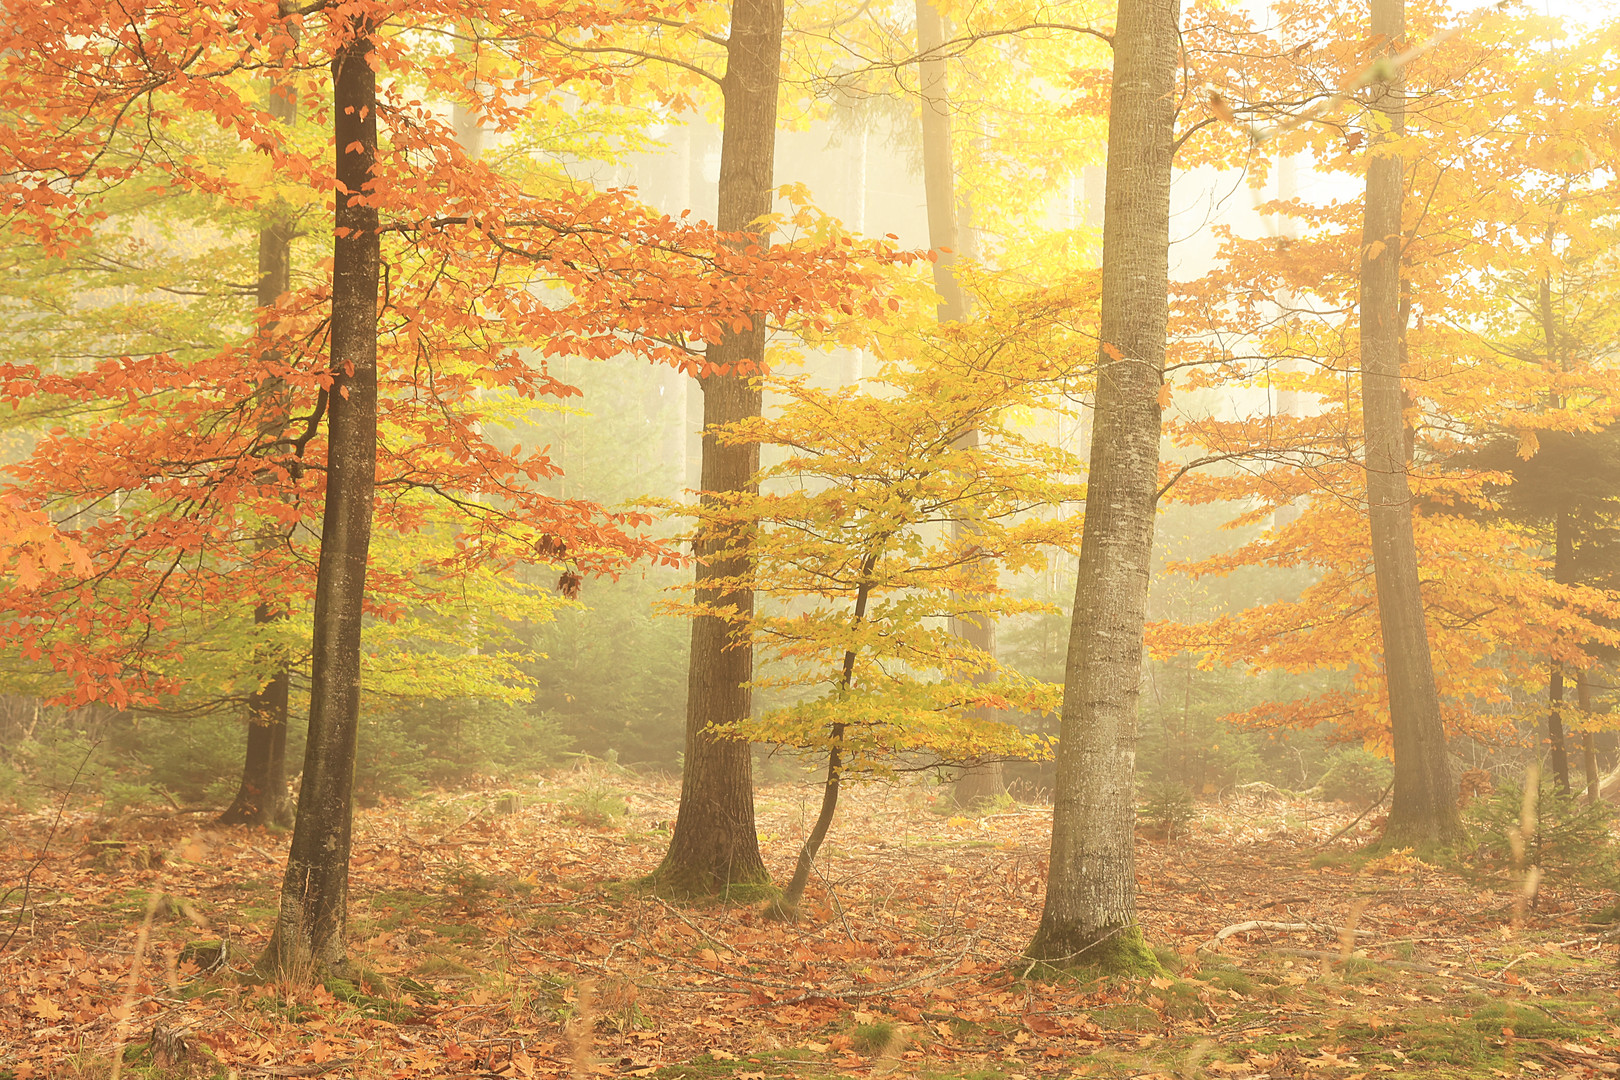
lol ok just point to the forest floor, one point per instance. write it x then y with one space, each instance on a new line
503 944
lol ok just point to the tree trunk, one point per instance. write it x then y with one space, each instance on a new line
1563 554
262 797
310 931
939 170
1583 695
788 906
1424 809
981 780
1090 912
715 846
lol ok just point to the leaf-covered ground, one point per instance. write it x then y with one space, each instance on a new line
501 942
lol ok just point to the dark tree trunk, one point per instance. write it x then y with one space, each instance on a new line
788 906
1090 912
310 932
262 797
715 846
981 780
1424 808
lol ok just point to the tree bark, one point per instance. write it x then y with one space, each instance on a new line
1424 808
788 906
939 170
309 936
261 799
1563 555
715 846
1583 694
1090 912
981 780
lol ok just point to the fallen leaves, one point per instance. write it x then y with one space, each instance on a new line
489 987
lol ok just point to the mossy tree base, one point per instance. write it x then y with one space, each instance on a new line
708 888
1120 952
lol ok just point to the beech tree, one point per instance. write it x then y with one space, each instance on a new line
261 798
1423 809
714 845
477 266
853 541
1487 215
1090 912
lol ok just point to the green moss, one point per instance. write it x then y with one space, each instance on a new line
741 893
1526 1023
1228 979
1127 1017
368 994
1123 952
1168 958
438 964
875 1038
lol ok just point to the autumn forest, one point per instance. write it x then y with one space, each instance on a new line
959 539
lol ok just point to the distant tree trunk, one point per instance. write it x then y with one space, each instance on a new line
261 798
1563 554
1583 694
939 170
1090 912
1424 808
310 931
981 780
715 845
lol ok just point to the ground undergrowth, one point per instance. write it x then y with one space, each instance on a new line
494 935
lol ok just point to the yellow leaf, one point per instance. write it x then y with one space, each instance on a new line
44 1008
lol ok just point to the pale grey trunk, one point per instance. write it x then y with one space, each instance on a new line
1424 807
981 779
310 931
715 845
1090 911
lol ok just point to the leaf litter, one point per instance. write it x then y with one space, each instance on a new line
494 936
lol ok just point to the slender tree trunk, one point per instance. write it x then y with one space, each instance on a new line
981 780
1563 554
939 170
1583 694
715 846
788 906
310 931
1090 912
262 797
1424 809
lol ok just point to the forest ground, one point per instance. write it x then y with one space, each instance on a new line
499 942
